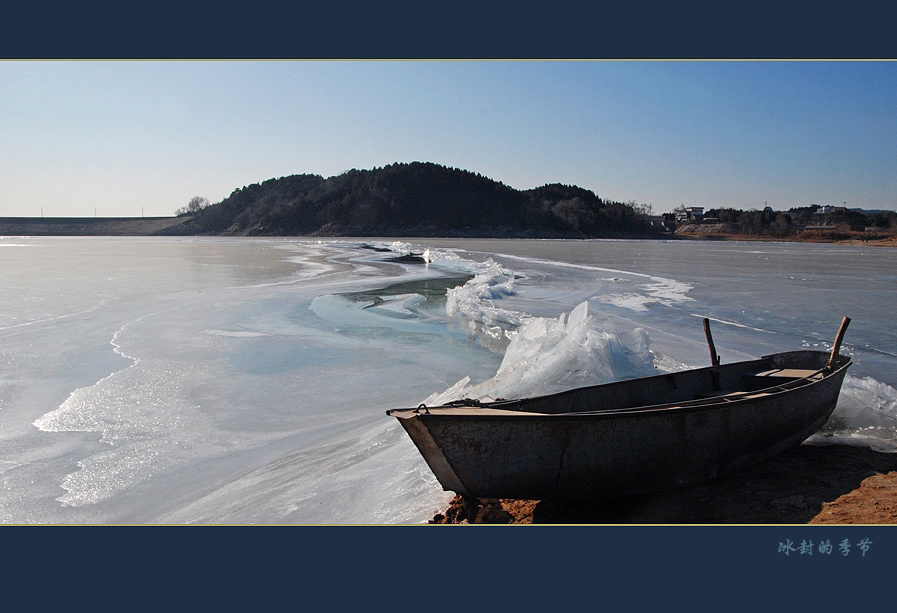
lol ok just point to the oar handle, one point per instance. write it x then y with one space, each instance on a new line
837 346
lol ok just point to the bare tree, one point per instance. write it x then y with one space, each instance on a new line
641 208
196 204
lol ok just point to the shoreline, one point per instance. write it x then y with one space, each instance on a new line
179 226
853 241
809 484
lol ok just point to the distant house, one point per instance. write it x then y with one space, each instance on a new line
691 214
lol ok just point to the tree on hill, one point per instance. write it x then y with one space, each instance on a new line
274 203
196 204
572 209
773 223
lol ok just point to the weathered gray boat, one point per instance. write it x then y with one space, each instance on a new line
634 436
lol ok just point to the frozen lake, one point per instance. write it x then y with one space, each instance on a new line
232 380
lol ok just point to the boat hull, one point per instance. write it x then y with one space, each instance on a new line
607 447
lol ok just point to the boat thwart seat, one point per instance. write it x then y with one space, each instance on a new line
779 376
787 373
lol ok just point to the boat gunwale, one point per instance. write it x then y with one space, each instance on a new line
738 399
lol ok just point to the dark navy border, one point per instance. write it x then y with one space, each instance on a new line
459 30
456 566
387 567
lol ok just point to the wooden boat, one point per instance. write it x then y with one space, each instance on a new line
633 436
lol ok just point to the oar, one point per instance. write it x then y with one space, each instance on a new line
837 347
714 358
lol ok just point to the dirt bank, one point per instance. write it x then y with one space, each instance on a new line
705 232
833 484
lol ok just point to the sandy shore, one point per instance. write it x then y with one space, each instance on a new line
810 484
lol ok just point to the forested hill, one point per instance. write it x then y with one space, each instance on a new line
417 199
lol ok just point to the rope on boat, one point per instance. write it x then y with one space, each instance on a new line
468 402
472 402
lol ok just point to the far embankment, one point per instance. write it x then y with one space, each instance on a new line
94 226
797 234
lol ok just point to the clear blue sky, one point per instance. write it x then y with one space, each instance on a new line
130 138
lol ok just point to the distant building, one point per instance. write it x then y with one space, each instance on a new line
657 223
695 213
691 214
828 209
